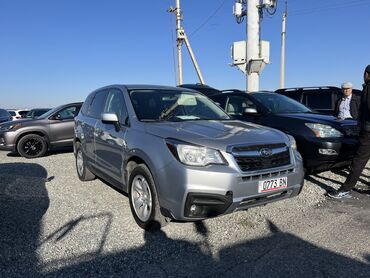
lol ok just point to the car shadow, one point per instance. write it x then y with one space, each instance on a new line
23 202
279 254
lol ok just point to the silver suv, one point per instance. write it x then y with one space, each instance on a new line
179 156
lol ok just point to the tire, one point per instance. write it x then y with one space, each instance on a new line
83 173
144 199
32 146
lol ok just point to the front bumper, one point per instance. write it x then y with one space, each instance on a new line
341 150
7 141
218 190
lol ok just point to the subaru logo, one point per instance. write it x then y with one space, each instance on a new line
265 152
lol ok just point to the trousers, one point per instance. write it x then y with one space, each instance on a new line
359 161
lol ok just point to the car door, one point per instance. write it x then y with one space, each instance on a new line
90 122
110 139
61 125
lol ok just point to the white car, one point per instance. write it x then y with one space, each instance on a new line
18 114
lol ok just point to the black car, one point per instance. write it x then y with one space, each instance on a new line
324 141
320 99
4 116
204 89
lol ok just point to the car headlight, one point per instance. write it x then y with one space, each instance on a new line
195 155
292 141
10 127
324 131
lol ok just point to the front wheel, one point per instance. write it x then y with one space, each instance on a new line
32 146
144 200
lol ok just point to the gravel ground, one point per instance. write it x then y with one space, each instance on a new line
54 225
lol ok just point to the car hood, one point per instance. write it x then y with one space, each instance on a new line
217 134
319 118
23 122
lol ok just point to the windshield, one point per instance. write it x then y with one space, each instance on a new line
35 113
174 105
278 104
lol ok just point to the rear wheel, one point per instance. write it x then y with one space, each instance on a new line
84 174
144 200
32 146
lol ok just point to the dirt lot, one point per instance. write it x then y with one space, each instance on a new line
54 225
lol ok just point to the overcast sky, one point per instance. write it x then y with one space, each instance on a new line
57 51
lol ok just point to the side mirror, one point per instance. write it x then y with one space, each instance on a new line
250 111
110 118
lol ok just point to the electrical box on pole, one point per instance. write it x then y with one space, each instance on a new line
256 53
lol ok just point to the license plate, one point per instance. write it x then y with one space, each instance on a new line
272 184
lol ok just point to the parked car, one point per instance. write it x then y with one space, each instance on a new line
4 116
324 141
37 112
204 89
320 99
33 137
18 114
179 156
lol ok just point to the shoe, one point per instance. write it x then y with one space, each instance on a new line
339 195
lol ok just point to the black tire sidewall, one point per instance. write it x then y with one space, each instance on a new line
25 138
144 171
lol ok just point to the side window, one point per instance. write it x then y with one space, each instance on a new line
86 104
237 104
68 113
97 105
115 103
319 101
220 100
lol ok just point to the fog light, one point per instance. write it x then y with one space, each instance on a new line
328 152
193 209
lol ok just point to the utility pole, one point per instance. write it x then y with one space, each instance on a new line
253 43
251 56
181 38
282 67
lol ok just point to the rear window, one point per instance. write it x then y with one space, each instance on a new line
319 100
12 113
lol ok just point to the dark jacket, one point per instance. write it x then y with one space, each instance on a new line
354 106
364 117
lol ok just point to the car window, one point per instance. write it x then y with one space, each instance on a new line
220 100
236 105
97 105
12 113
86 105
277 104
174 105
319 100
115 103
4 113
68 113
296 95
23 112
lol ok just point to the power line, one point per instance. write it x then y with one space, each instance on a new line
325 8
208 18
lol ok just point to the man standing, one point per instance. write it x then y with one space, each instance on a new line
363 151
347 106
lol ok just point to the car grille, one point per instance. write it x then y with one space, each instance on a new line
249 158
